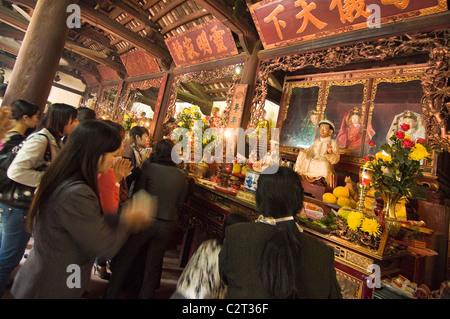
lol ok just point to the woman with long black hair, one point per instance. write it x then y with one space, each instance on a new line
66 218
272 258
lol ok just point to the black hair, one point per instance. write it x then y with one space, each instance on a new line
118 127
162 153
21 108
280 195
85 113
78 159
139 131
58 116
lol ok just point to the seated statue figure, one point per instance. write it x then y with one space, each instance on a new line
315 164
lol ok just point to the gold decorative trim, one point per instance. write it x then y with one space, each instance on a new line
364 82
358 282
308 84
436 110
203 77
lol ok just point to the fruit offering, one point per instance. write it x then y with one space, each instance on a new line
340 196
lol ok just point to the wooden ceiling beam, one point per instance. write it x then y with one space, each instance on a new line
184 20
96 36
205 106
30 4
105 61
149 4
84 68
198 90
136 11
13 19
102 21
17 21
169 7
8 32
246 31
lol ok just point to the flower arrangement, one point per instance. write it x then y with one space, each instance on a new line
357 221
187 118
358 228
133 119
396 167
129 121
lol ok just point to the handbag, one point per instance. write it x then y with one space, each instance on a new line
13 193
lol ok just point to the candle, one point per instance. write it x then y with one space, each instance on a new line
365 176
365 179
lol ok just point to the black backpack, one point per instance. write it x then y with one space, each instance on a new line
13 193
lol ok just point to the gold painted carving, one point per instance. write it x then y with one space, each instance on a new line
435 105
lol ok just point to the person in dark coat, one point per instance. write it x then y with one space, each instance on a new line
162 179
273 258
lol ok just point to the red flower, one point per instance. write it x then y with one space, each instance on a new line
366 158
421 140
405 127
408 143
400 134
371 143
207 118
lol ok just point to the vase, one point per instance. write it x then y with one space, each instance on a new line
388 216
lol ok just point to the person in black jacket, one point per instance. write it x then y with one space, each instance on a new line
162 179
272 258
26 115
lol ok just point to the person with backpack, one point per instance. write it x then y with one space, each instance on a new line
26 171
26 116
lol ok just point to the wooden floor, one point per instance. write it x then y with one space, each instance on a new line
97 286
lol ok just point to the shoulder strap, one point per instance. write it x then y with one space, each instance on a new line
48 151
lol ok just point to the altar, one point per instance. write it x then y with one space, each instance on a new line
203 214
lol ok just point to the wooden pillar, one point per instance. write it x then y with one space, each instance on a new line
161 105
40 52
249 77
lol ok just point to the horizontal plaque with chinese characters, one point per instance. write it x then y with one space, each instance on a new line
208 41
283 22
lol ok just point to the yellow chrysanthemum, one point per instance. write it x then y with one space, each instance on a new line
133 125
354 220
204 120
180 123
187 111
419 152
407 137
385 157
126 116
370 226
194 108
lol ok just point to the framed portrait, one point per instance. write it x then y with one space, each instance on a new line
345 106
394 101
301 114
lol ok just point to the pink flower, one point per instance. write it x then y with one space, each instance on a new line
371 143
400 134
405 127
421 140
207 118
408 143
